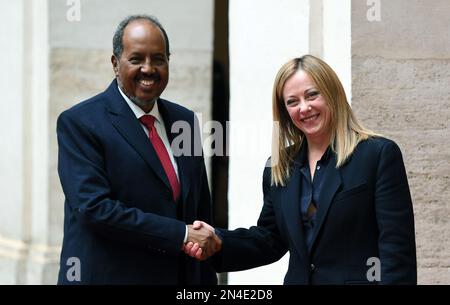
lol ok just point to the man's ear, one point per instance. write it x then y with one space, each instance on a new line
115 64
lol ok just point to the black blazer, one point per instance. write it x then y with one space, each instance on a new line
120 220
364 211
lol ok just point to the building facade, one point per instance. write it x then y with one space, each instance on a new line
393 58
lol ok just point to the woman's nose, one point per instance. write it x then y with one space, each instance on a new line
304 107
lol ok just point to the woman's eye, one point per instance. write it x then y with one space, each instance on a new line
290 102
313 95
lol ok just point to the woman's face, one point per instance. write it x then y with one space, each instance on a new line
307 108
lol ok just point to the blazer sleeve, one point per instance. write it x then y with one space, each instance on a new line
395 218
204 211
257 246
88 194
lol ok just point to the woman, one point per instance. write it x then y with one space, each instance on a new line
336 197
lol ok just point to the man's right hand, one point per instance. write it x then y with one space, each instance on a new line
202 242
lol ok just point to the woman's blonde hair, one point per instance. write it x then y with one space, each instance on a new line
346 130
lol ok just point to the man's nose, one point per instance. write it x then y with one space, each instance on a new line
147 67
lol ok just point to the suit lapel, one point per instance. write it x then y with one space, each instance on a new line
128 126
331 184
183 162
290 200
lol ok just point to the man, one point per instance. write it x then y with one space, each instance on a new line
128 195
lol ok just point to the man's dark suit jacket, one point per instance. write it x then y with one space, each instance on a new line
364 211
121 221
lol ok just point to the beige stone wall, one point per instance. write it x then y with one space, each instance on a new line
401 88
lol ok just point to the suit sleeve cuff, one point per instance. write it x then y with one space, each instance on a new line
185 235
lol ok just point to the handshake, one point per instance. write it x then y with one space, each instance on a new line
202 241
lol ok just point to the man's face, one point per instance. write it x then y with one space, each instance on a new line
142 70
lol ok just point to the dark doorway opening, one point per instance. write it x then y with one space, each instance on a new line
220 113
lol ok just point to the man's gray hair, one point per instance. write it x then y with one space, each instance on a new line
118 35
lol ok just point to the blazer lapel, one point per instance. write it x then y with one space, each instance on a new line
128 126
330 186
183 162
290 200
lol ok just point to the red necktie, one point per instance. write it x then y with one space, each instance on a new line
163 155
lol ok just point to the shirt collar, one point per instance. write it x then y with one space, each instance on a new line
138 112
326 156
303 154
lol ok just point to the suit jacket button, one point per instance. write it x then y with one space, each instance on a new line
312 267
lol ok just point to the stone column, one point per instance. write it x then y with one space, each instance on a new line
13 184
27 251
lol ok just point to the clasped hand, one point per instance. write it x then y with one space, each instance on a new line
202 241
